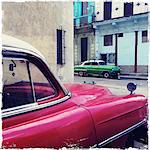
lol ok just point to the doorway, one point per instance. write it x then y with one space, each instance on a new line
84 46
104 57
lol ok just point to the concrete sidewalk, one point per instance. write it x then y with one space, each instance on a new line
137 76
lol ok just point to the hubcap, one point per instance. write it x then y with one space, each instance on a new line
80 73
106 75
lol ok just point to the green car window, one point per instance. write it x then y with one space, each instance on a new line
94 63
88 63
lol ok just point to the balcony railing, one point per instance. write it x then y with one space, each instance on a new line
83 20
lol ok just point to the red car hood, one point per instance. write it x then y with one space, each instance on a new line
109 112
87 89
86 93
90 95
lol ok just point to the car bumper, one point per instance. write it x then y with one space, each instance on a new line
114 73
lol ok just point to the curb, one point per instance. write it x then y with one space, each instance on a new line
134 74
134 77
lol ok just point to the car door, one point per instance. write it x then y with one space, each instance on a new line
85 67
94 67
116 117
37 111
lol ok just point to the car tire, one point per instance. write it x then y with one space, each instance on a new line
106 75
130 141
81 74
138 135
116 77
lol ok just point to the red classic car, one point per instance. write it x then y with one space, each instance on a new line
38 111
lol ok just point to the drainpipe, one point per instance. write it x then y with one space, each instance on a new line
136 44
116 49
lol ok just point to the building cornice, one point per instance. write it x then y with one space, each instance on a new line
121 19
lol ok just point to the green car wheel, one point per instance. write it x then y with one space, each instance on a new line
106 75
81 73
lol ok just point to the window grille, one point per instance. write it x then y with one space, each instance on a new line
108 40
61 46
144 36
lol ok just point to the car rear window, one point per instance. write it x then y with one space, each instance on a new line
24 83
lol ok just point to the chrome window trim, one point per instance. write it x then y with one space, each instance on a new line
17 107
9 58
32 85
17 110
120 134
34 93
31 107
32 82
47 97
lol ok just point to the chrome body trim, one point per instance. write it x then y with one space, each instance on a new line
121 134
18 110
31 80
31 107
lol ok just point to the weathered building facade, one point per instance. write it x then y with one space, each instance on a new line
120 34
84 33
124 42
44 25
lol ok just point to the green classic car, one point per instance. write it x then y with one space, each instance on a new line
97 67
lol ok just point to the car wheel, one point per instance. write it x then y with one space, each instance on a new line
116 77
81 73
130 141
139 135
106 75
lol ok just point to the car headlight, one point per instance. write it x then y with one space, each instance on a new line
116 69
113 69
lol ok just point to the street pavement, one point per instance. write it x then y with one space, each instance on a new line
117 87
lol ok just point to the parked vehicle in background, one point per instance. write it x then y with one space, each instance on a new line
97 67
39 112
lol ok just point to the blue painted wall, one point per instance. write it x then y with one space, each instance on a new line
78 11
126 44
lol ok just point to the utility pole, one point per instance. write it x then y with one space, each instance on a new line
116 49
136 46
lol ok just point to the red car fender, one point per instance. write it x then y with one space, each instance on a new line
69 128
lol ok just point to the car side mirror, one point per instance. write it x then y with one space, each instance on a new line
131 87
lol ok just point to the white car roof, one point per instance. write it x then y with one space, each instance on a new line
93 61
15 44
